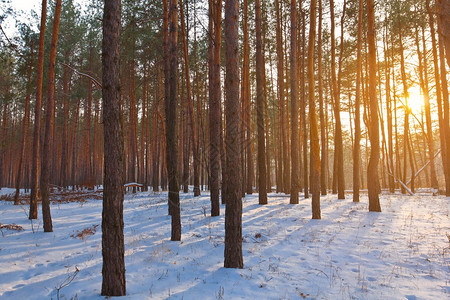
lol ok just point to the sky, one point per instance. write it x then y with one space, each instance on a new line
26 6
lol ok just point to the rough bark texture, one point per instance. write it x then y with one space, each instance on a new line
314 130
294 106
37 117
260 104
215 117
171 122
233 211
49 123
372 170
113 271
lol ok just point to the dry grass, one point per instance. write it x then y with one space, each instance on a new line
14 227
83 234
59 196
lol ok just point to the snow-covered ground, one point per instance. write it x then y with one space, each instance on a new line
400 253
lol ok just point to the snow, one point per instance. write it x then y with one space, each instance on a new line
401 253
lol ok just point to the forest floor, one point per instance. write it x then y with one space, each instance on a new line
401 253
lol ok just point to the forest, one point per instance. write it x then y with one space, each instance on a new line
227 104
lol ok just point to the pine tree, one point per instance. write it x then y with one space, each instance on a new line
113 249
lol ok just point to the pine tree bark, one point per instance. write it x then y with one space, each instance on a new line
215 117
260 104
171 122
37 118
314 130
49 122
233 211
374 135
113 249
294 105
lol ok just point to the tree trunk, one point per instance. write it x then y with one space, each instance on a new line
372 170
113 249
339 155
49 122
260 104
423 77
24 127
304 142
233 211
37 117
439 94
190 106
215 118
294 105
323 165
281 97
357 143
443 29
314 130
171 122
246 102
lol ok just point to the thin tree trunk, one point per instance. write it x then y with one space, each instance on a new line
281 97
339 155
372 170
49 122
246 103
423 77
260 103
357 144
323 165
37 117
314 130
195 152
294 105
24 128
444 87
303 103
215 118
171 122
439 94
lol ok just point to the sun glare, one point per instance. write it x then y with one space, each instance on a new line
415 99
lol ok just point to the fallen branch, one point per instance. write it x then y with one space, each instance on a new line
97 83
402 184
421 169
